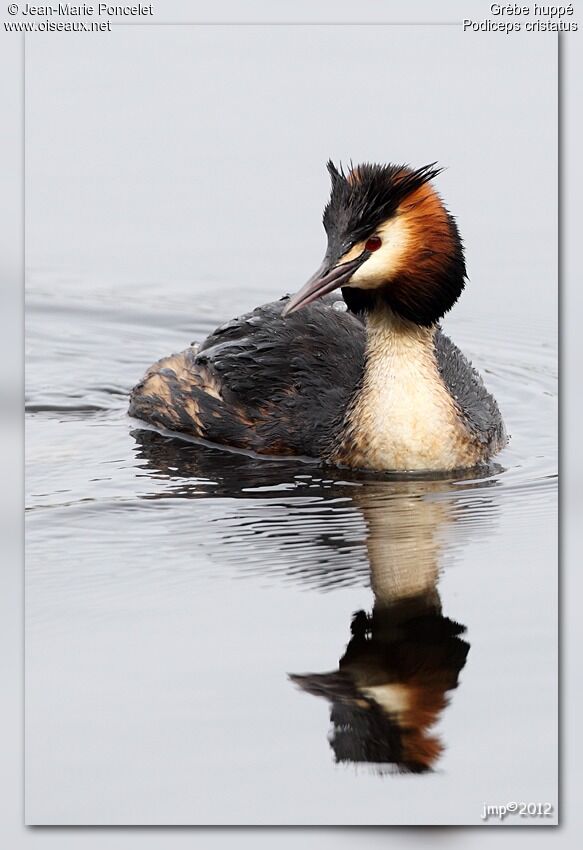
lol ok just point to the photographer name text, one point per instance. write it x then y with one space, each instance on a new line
85 10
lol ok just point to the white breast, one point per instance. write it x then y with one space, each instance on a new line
405 418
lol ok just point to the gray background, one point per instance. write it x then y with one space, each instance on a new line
152 166
11 271
187 173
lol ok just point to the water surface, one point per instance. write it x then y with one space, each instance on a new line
172 589
212 638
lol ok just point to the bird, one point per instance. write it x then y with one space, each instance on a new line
354 370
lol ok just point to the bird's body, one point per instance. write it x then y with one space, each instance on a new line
261 383
377 386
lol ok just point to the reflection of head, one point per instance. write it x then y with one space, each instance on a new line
391 685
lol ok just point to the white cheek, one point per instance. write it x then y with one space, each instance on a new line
383 264
393 699
374 271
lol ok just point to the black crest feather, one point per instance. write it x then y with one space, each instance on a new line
359 204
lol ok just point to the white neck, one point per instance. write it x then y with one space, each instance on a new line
404 418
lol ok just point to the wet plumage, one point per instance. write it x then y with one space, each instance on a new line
280 386
354 387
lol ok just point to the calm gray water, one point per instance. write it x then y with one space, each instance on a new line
213 638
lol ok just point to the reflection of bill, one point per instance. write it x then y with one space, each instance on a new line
402 660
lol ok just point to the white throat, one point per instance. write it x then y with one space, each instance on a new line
404 417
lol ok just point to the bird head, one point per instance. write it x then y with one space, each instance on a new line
391 241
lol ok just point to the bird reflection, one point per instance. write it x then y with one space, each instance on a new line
393 679
404 657
391 686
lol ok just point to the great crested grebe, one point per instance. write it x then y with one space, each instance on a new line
378 386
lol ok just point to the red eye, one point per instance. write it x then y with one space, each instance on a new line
373 243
